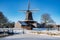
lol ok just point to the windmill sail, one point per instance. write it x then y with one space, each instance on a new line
28 12
28 4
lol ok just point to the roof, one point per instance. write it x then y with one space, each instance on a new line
23 23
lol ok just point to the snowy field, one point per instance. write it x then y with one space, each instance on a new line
30 37
34 35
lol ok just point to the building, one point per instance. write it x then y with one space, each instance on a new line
26 25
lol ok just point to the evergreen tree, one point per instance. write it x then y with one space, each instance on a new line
3 20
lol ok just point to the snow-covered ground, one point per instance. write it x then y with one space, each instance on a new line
31 37
34 35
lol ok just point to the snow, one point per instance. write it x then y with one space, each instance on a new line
30 37
33 35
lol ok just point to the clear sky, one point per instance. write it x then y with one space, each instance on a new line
10 9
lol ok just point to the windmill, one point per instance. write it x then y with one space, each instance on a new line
28 13
29 23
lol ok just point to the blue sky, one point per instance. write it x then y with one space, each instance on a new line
10 9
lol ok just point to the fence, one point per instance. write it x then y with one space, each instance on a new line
18 30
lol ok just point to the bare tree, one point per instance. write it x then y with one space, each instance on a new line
46 18
10 24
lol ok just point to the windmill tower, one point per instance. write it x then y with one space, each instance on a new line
29 13
29 17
